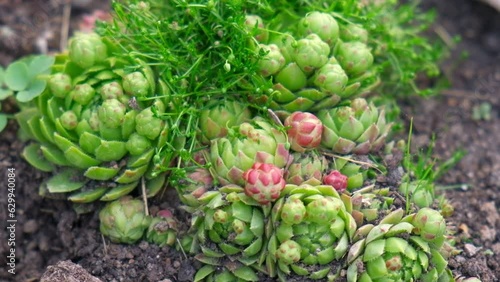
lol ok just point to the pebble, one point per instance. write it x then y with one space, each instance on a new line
144 245
471 250
488 234
31 226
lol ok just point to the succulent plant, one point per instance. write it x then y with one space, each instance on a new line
218 117
392 251
312 79
420 192
369 204
272 62
355 171
311 53
256 26
310 68
87 50
230 229
312 229
353 32
162 229
321 24
194 185
254 141
331 78
359 128
429 224
337 180
195 179
92 127
354 57
306 168
304 131
124 220
264 182
285 43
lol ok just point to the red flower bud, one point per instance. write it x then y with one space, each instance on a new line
337 180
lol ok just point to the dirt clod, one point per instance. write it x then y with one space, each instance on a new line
69 272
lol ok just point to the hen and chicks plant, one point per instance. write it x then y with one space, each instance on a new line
256 115
97 124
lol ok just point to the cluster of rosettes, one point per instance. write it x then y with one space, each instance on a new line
317 233
255 153
96 125
314 63
274 198
125 221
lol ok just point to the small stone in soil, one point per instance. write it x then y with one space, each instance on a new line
471 250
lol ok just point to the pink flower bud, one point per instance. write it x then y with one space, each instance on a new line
304 131
264 182
337 180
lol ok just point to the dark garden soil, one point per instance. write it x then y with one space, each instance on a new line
50 236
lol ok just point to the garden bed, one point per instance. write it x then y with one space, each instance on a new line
49 231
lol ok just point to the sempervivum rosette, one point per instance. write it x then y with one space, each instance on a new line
124 220
162 229
311 68
312 230
397 250
197 179
229 235
264 182
421 192
304 131
355 170
219 116
96 125
256 141
359 128
306 168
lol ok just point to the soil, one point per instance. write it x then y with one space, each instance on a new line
52 238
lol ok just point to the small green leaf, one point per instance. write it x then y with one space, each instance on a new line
101 173
79 158
87 196
35 89
155 185
110 151
203 273
374 250
40 65
318 274
246 273
54 155
210 253
31 154
3 122
131 175
16 76
257 223
242 211
63 182
253 248
119 191
228 249
136 161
